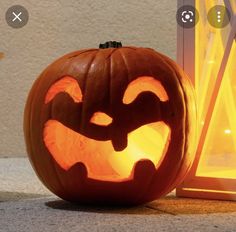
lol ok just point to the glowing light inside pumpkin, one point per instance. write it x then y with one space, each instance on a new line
214 169
68 147
66 84
101 118
102 162
142 84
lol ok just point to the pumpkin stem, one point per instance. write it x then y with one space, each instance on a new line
110 44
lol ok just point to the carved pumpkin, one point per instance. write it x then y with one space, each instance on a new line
113 125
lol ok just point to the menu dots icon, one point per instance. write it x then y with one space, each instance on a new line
219 16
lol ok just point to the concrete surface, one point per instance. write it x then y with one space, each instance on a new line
57 27
25 205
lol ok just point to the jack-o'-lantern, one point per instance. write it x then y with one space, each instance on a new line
113 125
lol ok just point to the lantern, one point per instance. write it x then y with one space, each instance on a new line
208 55
113 125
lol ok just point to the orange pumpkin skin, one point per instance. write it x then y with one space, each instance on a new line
103 76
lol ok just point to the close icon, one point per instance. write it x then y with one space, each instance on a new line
17 16
187 16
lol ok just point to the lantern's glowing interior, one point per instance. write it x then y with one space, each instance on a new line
68 147
218 155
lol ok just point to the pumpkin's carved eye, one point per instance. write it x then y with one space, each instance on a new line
101 119
142 84
66 84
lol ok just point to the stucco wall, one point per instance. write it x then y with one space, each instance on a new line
57 27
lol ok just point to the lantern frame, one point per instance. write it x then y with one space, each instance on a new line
196 184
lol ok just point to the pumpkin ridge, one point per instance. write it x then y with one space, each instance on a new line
112 52
126 67
162 58
132 48
34 90
150 180
125 63
185 122
166 60
109 60
184 153
85 84
86 50
54 165
187 131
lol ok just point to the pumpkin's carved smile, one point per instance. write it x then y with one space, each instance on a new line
118 138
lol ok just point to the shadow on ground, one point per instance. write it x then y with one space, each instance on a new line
138 210
16 196
168 205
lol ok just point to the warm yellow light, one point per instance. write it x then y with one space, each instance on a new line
227 131
209 191
67 85
213 173
102 162
144 83
101 118
211 62
147 142
217 159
